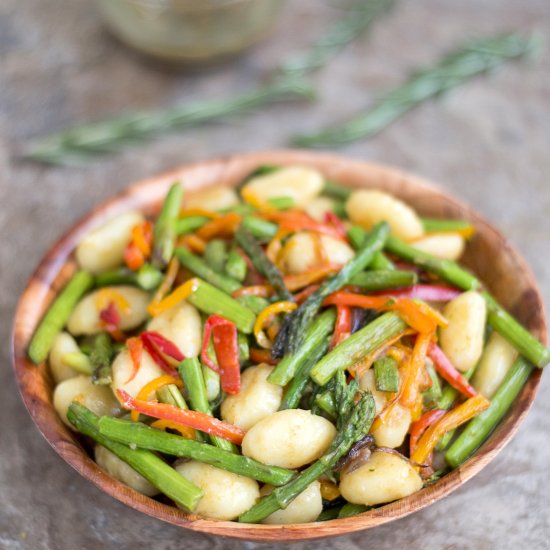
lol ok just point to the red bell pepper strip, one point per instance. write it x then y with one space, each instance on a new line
422 424
135 349
448 372
342 327
110 316
428 293
159 348
226 346
193 419
332 219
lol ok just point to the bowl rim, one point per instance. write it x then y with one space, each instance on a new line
56 267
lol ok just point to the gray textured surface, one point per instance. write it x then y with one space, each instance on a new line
488 143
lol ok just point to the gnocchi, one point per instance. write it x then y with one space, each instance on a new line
304 508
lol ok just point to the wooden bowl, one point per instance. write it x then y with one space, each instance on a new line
489 255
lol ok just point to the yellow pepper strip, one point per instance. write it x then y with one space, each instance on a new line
181 293
274 248
107 295
168 281
454 418
264 316
329 491
185 431
150 389
190 212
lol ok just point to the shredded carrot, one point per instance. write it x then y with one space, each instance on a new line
306 293
411 383
181 293
264 316
149 390
185 431
296 220
454 418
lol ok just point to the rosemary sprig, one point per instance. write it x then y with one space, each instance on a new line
80 144
77 145
473 58
357 19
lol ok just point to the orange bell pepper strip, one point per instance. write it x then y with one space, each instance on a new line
185 431
223 226
142 237
263 317
193 242
167 282
149 390
422 424
263 291
314 275
135 349
450 421
193 419
181 293
411 383
305 294
297 220
258 356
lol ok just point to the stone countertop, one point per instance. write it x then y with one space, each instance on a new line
487 143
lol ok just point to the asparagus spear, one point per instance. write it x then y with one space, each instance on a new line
235 266
191 373
260 229
315 335
213 301
200 268
190 224
354 425
171 395
386 374
325 402
300 318
383 280
100 358
261 262
478 429
498 318
150 466
357 346
434 225
349 510
471 59
299 382
255 304
147 277
215 255
164 232
357 236
145 437
57 316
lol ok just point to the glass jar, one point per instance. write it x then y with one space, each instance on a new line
190 30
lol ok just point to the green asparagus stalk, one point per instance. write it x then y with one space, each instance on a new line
215 255
211 383
432 396
383 280
357 346
381 262
498 318
190 224
200 268
349 510
355 426
147 277
101 358
329 513
316 334
57 316
254 303
432 225
260 229
191 373
386 374
301 317
299 382
171 395
473 58
336 191
478 429
80 144
146 463
235 266
211 300
145 437
244 348
164 232
262 263
325 402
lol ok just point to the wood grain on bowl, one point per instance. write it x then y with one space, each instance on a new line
488 254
